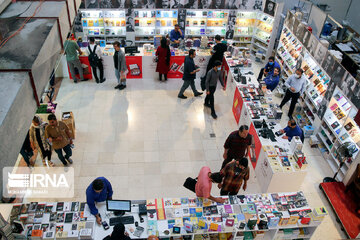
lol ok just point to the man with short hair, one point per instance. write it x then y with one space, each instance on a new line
59 136
237 145
269 68
176 35
292 130
95 60
99 190
296 85
234 175
120 66
272 80
72 50
190 70
212 77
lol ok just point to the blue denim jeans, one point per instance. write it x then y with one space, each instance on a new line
118 77
68 153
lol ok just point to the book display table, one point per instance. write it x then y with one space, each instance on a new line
253 216
280 165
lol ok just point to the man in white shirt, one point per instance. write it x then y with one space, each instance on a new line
296 85
94 52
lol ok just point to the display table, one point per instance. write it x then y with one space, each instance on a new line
274 172
143 64
271 216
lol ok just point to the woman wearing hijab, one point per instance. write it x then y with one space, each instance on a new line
163 63
39 142
204 183
118 233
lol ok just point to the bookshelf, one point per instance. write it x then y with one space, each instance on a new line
196 22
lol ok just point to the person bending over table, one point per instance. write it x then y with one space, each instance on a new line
237 145
272 80
234 174
269 68
99 190
118 233
291 130
176 35
204 183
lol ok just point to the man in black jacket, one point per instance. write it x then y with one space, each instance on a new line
190 70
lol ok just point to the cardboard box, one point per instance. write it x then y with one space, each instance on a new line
69 120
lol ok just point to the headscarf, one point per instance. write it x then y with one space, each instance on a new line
118 232
203 185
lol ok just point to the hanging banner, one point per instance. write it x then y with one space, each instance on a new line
257 143
176 67
225 68
237 105
134 66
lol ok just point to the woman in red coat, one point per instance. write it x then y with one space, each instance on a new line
163 54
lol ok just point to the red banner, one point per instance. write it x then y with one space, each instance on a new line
237 105
176 67
134 66
225 68
257 141
86 68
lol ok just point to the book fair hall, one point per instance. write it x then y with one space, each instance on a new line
179 119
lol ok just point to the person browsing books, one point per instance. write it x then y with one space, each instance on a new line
204 183
272 80
235 173
176 35
292 130
99 190
269 68
296 85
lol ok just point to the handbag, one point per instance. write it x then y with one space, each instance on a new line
190 184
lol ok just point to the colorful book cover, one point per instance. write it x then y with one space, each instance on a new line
160 214
184 202
178 212
199 212
228 209
84 23
206 202
159 203
171 223
213 227
150 204
207 211
186 212
179 222
192 212
199 202
170 213
176 202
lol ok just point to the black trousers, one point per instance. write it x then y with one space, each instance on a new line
225 193
209 99
294 97
261 74
101 69
160 76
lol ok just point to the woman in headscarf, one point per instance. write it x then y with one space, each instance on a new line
204 183
39 142
118 233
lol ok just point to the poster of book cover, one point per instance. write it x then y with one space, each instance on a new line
182 19
300 30
111 3
304 39
338 73
348 85
92 3
78 23
270 7
130 22
320 53
355 99
165 4
230 29
328 63
312 44
295 25
176 4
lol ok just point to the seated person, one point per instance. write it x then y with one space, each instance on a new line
291 130
118 233
269 68
98 191
204 183
272 80
176 36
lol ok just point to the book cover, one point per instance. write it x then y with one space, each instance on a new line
199 212
82 206
53 216
60 217
228 209
32 207
176 202
207 211
160 214
45 227
184 202
192 212
60 206
186 212
171 223
68 217
24 208
150 204
167 202
169 213
159 203
178 212
75 206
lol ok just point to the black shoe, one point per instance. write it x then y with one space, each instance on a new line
102 80
207 105
214 115
75 81
118 86
182 97
85 79
97 81
290 117
122 87
198 94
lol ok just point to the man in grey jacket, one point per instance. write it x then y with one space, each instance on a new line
120 66
212 78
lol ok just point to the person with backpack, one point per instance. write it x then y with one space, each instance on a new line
95 60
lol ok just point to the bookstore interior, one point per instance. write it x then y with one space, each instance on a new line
327 112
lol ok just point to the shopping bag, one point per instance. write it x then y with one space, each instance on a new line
190 184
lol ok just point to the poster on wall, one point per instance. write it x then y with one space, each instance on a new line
77 23
134 66
337 73
348 84
149 4
92 4
230 29
165 4
182 19
300 30
328 63
130 22
176 67
270 7
176 4
355 99
237 105
134 4
312 45
305 37
191 4
320 53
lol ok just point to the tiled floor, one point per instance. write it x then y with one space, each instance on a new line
146 141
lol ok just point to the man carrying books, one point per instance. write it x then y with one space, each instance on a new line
98 191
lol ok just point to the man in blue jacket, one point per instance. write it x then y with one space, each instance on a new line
99 190
269 68
291 130
190 70
272 80
176 35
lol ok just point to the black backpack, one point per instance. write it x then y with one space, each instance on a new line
93 57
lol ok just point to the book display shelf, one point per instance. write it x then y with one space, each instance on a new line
145 22
196 22
217 22
165 21
327 103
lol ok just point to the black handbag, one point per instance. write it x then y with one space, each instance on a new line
190 184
